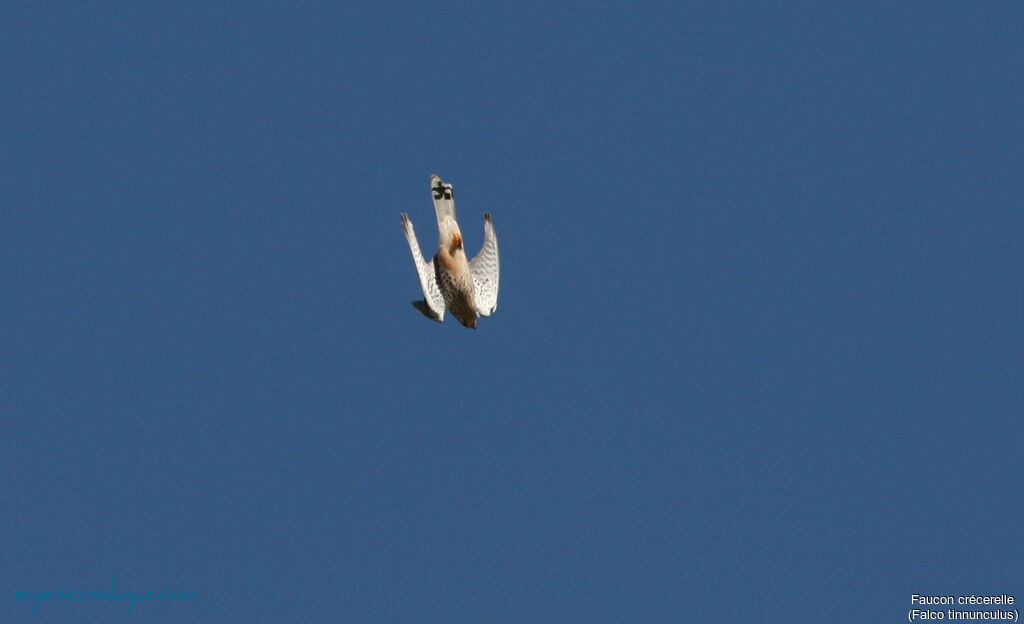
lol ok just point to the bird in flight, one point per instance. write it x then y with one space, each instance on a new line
469 288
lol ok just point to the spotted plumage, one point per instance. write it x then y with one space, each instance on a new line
449 281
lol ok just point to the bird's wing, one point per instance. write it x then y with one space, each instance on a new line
432 305
484 268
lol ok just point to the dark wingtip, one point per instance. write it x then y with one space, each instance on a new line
424 309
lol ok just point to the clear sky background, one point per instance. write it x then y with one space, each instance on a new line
757 354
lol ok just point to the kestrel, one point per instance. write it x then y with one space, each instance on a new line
468 288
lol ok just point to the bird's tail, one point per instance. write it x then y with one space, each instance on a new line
444 207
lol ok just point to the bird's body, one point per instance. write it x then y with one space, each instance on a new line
456 282
449 280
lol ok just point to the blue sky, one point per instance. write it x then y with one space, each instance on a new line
757 352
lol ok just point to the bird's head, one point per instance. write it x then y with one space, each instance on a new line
462 308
